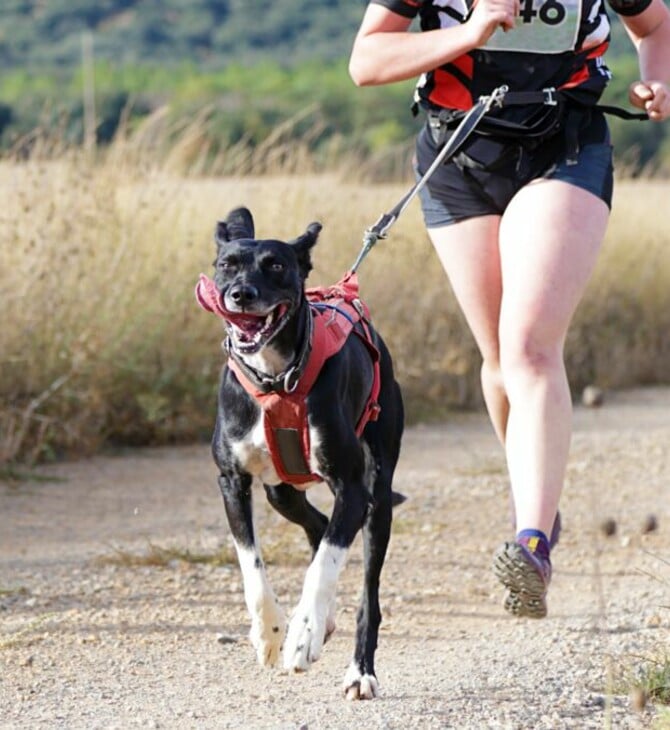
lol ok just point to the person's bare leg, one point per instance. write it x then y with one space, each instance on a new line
469 254
550 236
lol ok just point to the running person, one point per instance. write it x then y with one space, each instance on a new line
518 216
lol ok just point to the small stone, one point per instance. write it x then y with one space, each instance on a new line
592 396
225 639
608 527
638 699
650 524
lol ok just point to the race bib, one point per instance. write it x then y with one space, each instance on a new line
542 26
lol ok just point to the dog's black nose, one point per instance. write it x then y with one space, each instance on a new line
243 294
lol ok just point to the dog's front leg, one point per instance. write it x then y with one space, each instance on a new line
268 623
312 619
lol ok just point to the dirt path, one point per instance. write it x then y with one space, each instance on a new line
90 643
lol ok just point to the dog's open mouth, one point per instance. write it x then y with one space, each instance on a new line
251 331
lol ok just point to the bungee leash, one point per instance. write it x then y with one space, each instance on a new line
499 97
461 133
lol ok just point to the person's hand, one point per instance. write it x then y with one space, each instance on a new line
653 97
489 15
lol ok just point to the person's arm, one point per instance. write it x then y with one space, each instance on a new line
384 51
650 33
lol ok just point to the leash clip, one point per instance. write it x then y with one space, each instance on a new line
496 98
373 234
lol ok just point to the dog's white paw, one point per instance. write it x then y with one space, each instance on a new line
305 637
267 634
314 618
358 686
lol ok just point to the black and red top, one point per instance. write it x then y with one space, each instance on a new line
555 43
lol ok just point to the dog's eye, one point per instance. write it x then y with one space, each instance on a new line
276 266
225 265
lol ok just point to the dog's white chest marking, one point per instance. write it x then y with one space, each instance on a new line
254 456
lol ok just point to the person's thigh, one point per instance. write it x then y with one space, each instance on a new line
468 251
550 236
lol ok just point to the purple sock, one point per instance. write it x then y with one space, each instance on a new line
535 541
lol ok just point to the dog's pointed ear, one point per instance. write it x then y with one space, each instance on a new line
238 224
302 245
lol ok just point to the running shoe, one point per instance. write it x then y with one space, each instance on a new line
526 577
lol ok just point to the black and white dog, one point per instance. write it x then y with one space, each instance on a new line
260 286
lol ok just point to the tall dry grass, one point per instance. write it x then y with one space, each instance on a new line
621 333
101 340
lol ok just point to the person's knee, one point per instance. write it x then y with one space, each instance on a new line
528 358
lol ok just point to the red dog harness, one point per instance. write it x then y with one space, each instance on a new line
335 311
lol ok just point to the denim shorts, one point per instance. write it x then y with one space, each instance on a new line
453 194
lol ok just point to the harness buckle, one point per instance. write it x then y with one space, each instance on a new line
550 97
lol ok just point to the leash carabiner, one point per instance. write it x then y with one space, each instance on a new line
467 126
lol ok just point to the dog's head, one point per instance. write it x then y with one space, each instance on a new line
261 281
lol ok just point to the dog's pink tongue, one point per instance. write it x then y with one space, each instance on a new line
209 298
248 323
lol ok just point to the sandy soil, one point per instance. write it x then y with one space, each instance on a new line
91 639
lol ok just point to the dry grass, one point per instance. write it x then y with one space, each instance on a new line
24 636
621 334
646 679
279 548
102 341
164 557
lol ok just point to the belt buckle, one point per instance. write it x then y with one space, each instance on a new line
550 96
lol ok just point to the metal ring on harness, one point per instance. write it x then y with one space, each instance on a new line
358 306
289 384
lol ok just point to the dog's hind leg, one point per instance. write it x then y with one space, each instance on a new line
268 623
360 681
383 439
292 504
